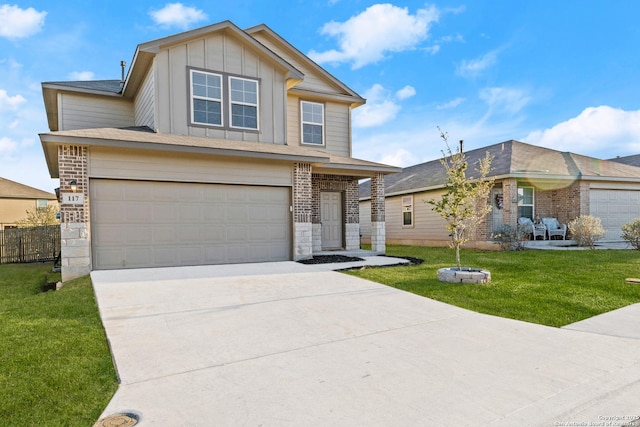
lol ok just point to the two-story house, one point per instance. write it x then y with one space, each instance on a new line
220 145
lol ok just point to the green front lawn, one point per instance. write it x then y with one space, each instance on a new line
55 365
548 287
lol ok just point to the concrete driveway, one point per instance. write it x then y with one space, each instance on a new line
284 344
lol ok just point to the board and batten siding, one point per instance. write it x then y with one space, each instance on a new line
218 53
144 103
337 131
167 166
85 112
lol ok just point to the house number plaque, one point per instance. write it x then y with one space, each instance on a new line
72 199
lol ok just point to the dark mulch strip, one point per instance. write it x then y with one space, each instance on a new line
327 259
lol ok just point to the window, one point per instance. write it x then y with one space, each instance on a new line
206 93
244 103
407 211
220 100
41 204
312 123
525 202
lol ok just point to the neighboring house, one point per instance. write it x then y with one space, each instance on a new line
16 198
628 160
221 145
530 181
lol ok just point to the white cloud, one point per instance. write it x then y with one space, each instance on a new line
81 75
451 104
7 144
509 100
476 66
368 37
406 92
603 132
177 15
10 102
399 157
18 23
379 109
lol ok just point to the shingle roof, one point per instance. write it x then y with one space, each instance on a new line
628 160
14 190
111 86
510 159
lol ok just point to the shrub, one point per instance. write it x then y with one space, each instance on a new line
509 237
586 230
631 233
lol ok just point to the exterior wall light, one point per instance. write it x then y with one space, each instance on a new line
74 185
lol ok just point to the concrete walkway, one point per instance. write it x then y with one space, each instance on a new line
286 344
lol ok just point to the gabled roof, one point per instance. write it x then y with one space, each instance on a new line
14 190
511 159
304 59
146 51
145 138
628 160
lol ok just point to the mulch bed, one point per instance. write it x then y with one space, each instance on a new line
327 259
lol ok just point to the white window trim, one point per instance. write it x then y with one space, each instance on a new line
533 200
257 104
303 122
407 206
192 97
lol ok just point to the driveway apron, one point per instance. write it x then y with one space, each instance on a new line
283 344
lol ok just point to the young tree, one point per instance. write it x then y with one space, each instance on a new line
37 217
464 204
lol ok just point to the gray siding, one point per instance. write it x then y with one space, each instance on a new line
85 112
219 53
337 131
162 166
144 103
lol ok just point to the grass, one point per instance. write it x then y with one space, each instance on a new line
552 288
55 364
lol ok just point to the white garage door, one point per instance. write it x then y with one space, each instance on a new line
157 224
615 208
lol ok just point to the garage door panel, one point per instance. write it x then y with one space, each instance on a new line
614 208
148 224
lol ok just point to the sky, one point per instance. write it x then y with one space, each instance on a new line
558 74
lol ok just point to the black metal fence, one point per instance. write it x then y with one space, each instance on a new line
29 244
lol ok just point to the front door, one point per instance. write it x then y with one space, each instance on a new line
331 217
497 203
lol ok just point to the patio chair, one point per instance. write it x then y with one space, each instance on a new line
554 228
535 230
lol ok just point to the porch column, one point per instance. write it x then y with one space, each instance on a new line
378 243
510 201
302 227
75 241
352 216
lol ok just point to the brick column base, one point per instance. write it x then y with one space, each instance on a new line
75 249
352 237
378 237
302 240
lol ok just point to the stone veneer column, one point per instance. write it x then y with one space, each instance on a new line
75 240
378 242
302 228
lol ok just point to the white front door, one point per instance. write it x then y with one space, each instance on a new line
331 217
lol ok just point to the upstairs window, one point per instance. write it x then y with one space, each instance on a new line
312 123
206 94
244 103
525 202
41 204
